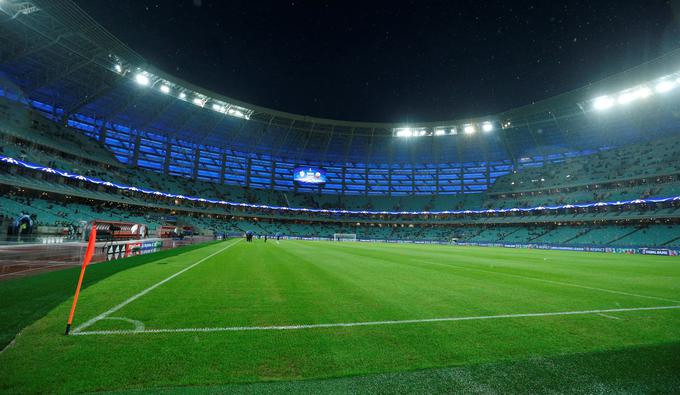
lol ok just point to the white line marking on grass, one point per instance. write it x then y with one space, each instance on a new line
611 317
139 325
372 323
146 291
554 282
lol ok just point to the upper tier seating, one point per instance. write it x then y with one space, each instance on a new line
598 177
17 121
650 159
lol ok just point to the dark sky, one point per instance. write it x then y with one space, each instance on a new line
393 60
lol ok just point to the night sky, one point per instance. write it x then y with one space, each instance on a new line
394 60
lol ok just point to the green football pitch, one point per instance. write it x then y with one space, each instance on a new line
310 317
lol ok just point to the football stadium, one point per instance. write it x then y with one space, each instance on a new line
160 236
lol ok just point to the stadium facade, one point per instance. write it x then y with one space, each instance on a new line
77 101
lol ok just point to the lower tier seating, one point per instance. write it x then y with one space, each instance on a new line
50 214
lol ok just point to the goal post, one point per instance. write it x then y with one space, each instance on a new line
344 237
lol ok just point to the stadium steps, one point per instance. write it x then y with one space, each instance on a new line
668 243
509 234
541 235
578 235
623 236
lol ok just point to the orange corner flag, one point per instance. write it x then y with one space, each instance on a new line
86 260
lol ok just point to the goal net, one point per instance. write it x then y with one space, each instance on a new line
345 237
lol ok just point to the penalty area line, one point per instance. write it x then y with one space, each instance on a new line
146 291
371 323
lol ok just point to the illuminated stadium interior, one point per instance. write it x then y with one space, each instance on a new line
154 121
122 113
94 136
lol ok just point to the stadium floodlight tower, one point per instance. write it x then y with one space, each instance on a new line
344 237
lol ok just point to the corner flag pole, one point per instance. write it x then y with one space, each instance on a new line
86 260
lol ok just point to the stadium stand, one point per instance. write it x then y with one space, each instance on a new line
54 203
392 188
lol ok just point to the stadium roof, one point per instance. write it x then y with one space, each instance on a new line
53 52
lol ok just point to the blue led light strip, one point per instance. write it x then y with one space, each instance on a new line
96 181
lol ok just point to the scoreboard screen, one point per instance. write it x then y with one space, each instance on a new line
309 175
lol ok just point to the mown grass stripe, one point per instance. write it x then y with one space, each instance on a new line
543 280
147 290
374 323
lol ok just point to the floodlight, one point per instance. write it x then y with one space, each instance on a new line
198 101
423 132
236 113
469 129
644 92
627 97
165 89
454 131
406 132
487 126
665 86
439 132
217 107
118 68
141 79
639 93
182 95
603 103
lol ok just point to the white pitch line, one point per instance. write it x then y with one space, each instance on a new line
146 291
611 317
139 325
371 323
